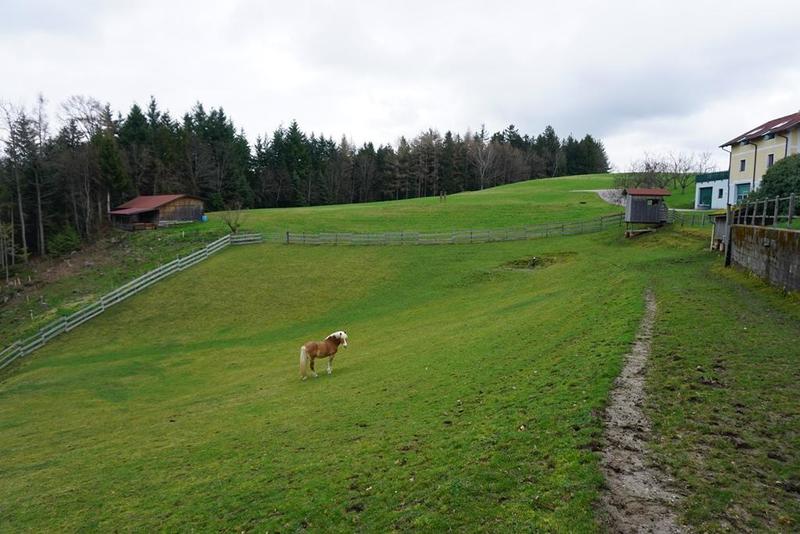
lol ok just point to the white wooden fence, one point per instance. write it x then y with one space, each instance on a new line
66 323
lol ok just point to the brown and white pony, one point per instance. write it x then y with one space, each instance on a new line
320 349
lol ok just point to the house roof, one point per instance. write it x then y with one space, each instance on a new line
646 192
148 202
781 124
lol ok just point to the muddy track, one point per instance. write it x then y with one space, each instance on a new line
636 498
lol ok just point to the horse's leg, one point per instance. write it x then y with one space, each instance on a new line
313 373
330 364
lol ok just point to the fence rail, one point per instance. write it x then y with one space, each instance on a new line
766 212
66 323
246 239
454 237
691 218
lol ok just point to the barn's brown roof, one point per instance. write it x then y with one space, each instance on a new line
781 124
646 192
150 202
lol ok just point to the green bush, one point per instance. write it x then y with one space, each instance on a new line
64 242
781 180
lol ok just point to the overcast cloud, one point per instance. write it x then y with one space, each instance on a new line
641 75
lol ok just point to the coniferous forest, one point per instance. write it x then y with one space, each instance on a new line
60 176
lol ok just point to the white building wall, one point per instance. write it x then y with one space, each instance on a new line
717 201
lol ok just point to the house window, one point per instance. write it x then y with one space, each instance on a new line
741 191
719 193
770 160
741 165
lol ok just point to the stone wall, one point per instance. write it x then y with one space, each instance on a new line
771 253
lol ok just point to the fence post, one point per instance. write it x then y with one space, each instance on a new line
764 213
791 207
775 214
727 238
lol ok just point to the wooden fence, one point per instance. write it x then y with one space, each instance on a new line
691 218
455 236
68 322
766 212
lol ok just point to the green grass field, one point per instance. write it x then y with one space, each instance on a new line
468 400
121 256
533 202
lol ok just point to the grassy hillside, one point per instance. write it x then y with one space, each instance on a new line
536 201
466 395
54 287
468 400
682 199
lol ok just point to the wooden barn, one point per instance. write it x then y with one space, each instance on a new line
151 211
645 206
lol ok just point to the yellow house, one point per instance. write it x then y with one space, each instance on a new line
755 151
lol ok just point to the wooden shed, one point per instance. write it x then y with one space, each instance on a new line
719 233
152 211
645 206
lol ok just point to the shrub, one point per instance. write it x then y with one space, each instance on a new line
781 180
64 242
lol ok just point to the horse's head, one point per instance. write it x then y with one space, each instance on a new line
340 337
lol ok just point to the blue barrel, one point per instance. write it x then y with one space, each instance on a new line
204 218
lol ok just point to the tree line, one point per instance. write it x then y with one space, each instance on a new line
57 184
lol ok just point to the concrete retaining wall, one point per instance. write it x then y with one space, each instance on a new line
771 253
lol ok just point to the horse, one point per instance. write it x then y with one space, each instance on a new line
320 349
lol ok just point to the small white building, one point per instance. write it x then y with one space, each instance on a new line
711 190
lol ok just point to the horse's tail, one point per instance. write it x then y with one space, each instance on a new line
303 362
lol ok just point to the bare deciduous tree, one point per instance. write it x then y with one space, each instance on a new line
683 167
233 217
11 116
482 154
676 168
86 111
41 125
650 171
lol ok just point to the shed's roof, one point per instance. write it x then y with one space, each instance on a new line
150 202
646 192
781 124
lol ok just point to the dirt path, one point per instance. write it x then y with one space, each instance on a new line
635 500
612 196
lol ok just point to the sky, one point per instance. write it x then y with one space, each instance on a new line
643 76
